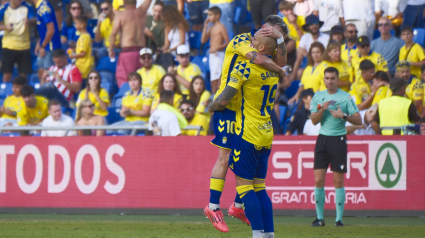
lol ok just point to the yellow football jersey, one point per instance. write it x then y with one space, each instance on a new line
106 31
151 79
383 92
415 89
188 73
103 94
198 120
33 115
136 103
346 53
235 52
292 31
118 5
178 98
360 91
14 104
377 59
416 54
345 73
256 91
84 64
310 78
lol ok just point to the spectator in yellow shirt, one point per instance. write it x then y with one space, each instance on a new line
381 78
414 87
83 51
360 90
412 52
118 5
96 94
104 30
13 103
187 108
186 70
35 109
310 78
151 73
293 21
136 105
349 49
199 95
168 82
363 45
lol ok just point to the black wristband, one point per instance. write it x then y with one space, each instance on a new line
344 117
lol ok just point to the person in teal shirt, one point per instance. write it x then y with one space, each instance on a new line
332 108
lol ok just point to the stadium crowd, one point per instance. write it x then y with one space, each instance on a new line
158 63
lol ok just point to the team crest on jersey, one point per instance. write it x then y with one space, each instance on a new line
224 141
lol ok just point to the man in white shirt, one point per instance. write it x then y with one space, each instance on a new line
330 12
366 127
310 129
312 26
56 119
361 13
164 122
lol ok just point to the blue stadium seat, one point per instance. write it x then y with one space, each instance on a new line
282 115
11 134
419 36
34 78
195 40
204 66
5 90
90 26
287 121
116 102
113 115
124 88
304 63
292 90
106 64
107 86
1 102
107 76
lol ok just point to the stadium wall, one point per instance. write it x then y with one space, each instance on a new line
153 175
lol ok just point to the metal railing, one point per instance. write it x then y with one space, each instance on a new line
133 129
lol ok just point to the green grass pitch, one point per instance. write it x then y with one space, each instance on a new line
158 226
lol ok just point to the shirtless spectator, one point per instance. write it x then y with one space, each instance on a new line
130 24
218 43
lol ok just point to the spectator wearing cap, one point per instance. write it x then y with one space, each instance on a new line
366 127
293 21
56 119
186 70
155 28
34 109
104 29
187 108
361 90
395 111
382 79
364 52
412 52
361 14
337 34
151 73
414 88
302 114
387 45
330 12
349 49
13 103
312 25
176 28
165 120
61 81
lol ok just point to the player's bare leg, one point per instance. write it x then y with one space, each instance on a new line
319 196
218 175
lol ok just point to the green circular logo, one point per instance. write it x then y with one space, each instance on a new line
388 167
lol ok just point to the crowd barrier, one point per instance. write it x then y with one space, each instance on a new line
139 174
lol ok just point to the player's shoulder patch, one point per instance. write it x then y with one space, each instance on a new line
243 69
239 39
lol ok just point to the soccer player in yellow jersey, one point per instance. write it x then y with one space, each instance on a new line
414 88
255 88
412 52
239 49
332 58
35 109
363 45
13 103
383 81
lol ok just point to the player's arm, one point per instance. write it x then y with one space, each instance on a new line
280 58
115 29
206 33
145 5
265 62
223 99
49 34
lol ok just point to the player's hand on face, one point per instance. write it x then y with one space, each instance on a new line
337 113
206 22
270 31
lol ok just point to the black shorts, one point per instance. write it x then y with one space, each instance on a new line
331 150
21 57
261 9
56 4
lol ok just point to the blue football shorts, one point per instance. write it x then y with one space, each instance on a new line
224 127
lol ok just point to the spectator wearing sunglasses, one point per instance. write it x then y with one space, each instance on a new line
104 29
387 45
150 72
96 94
187 108
86 117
